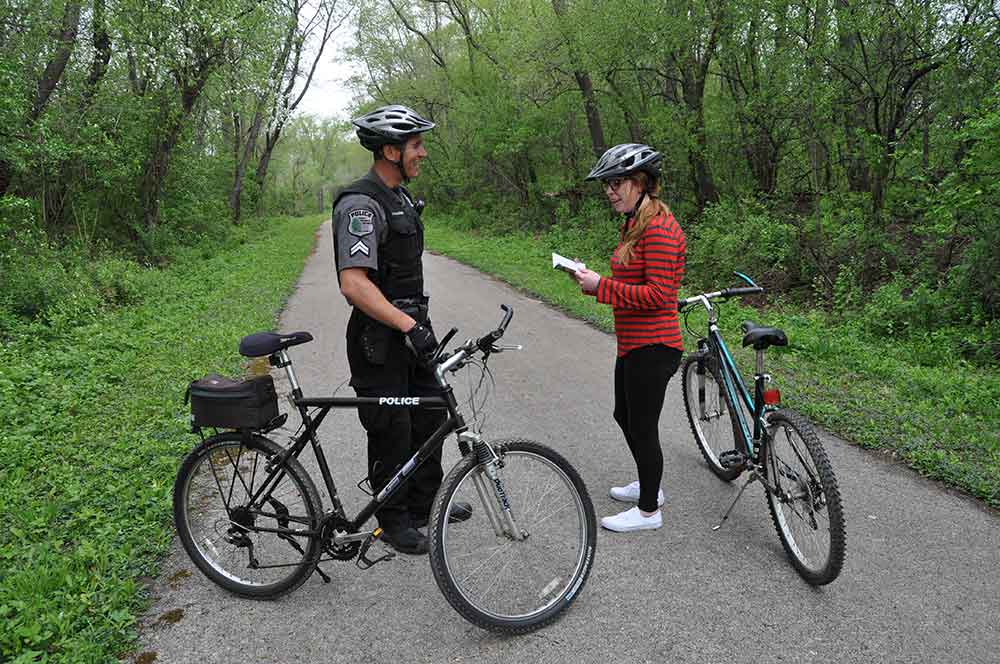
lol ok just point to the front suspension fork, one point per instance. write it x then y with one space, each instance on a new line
492 494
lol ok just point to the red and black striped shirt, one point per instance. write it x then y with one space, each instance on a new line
643 293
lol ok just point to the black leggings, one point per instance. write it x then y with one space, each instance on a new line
641 378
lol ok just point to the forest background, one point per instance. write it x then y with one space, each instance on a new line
846 153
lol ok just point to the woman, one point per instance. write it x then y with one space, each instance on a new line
646 270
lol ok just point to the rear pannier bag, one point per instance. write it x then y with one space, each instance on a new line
228 404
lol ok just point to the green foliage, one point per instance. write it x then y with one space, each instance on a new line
93 427
743 236
62 285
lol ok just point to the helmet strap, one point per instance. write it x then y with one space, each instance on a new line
399 162
638 204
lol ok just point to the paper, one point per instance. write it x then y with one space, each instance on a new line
565 264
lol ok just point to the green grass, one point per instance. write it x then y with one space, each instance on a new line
92 429
914 400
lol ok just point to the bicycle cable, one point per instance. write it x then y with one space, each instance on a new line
479 413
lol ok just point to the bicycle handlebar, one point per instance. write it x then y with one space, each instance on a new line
703 298
485 344
741 291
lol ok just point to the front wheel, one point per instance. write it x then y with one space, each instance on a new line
513 576
804 498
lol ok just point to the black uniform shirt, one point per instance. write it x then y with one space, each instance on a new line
360 226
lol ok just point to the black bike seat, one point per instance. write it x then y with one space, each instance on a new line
265 343
762 337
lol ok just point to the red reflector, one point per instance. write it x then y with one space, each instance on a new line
772 397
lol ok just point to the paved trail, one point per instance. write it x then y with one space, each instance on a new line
921 582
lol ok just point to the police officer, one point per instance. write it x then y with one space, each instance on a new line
379 242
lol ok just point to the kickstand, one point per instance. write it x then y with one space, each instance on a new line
753 476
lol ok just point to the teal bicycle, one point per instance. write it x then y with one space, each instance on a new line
742 434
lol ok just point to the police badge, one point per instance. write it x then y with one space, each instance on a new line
360 222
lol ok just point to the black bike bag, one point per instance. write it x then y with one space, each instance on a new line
228 404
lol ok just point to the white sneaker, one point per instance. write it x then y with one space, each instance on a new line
630 494
629 520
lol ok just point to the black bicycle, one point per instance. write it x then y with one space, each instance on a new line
251 519
779 447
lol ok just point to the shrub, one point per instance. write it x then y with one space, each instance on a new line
743 236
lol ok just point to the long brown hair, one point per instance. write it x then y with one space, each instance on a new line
651 207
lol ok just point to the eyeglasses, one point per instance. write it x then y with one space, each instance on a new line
614 183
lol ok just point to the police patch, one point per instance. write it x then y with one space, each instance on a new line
360 222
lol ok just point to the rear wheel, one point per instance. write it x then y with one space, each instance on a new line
502 581
231 540
805 504
710 412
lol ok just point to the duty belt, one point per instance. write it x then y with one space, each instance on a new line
413 306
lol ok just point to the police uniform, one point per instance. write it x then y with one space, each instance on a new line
379 229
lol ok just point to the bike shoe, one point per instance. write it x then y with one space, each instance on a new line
460 511
406 540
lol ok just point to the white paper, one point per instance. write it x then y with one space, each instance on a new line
565 264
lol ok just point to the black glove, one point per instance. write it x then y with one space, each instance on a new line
423 341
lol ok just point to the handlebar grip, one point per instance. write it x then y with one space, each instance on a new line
506 319
742 290
485 342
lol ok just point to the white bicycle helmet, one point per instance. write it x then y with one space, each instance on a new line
389 125
626 159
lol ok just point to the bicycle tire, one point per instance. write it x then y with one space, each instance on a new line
536 480
712 439
215 527
808 493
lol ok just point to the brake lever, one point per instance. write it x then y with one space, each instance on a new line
440 355
500 349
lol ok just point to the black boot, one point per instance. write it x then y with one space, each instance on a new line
405 539
460 511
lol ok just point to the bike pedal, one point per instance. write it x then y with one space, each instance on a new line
363 561
732 459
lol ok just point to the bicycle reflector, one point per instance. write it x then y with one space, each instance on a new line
772 396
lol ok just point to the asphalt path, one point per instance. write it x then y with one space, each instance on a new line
921 582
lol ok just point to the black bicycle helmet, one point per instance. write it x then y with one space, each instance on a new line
626 159
389 125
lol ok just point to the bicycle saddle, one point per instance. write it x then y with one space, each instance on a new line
762 337
265 343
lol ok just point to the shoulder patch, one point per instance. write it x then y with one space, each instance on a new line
360 222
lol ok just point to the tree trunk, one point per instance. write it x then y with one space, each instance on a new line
102 55
270 140
50 79
592 112
151 185
56 194
586 90
54 69
701 175
634 128
236 194
853 113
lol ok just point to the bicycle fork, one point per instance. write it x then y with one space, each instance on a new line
492 495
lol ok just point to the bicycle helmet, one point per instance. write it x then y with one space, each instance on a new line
389 125
626 159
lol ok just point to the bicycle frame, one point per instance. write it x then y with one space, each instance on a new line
714 346
454 422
